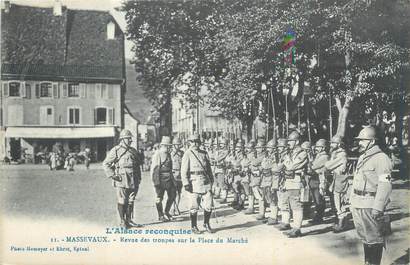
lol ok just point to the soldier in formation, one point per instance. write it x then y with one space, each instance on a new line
239 193
176 155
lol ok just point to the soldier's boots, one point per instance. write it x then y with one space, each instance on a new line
169 216
272 221
128 217
161 216
284 227
294 232
122 213
340 226
261 215
207 217
250 209
373 253
194 227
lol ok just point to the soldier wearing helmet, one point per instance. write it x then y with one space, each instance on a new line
256 177
220 190
246 175
123 166
295 169
176 156
317 180
163 179
227 180
271 170
370 194
337 166
235 175
197 178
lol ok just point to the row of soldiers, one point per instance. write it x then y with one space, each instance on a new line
279 175
283 175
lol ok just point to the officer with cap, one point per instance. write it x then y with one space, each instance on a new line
371 191
295 169
176 155
197 179
317 180
123 166
246 175
220 155
337 165
162 177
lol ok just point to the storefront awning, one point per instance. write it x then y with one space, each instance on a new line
60 133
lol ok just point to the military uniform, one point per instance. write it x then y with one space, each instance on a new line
371 190
237 187
123 166
256 178
295 170
197 179
220 189
248 178
271 173
163 179
317 180
339 187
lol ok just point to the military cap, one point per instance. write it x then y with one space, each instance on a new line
294 136
166 140
321 143
125 134
367 133
336 139
306 145
282 142
271 144
176 141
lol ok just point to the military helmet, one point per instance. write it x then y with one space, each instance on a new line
367 133
282 142
306 145
336 139
321 143
176 141
271 144
125 134
239 143
249 145
194 138
294 136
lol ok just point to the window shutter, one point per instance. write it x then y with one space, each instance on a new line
98 91
110 89
110 116
55 90
23 89
5 89
28 90
65 90
37 90
82 90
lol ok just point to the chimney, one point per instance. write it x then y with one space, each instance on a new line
6 6
57 8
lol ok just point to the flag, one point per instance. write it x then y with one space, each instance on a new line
289 41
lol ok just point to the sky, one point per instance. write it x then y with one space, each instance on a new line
105 5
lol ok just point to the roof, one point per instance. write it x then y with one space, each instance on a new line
37 44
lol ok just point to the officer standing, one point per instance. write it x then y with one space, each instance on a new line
371 191
256 177
123 166
177 155
238 203
161 174
337 165
227 181
295 169
283 153
245 176
317 181
219 157
197 179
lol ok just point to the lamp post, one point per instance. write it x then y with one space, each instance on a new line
286 93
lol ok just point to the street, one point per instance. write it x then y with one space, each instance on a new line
37 203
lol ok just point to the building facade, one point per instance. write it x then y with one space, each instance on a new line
62 80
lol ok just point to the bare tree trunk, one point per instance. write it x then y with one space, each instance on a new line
343 113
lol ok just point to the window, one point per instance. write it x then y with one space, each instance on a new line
101 116
45 90
49 111
73 116
73 90
14 89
